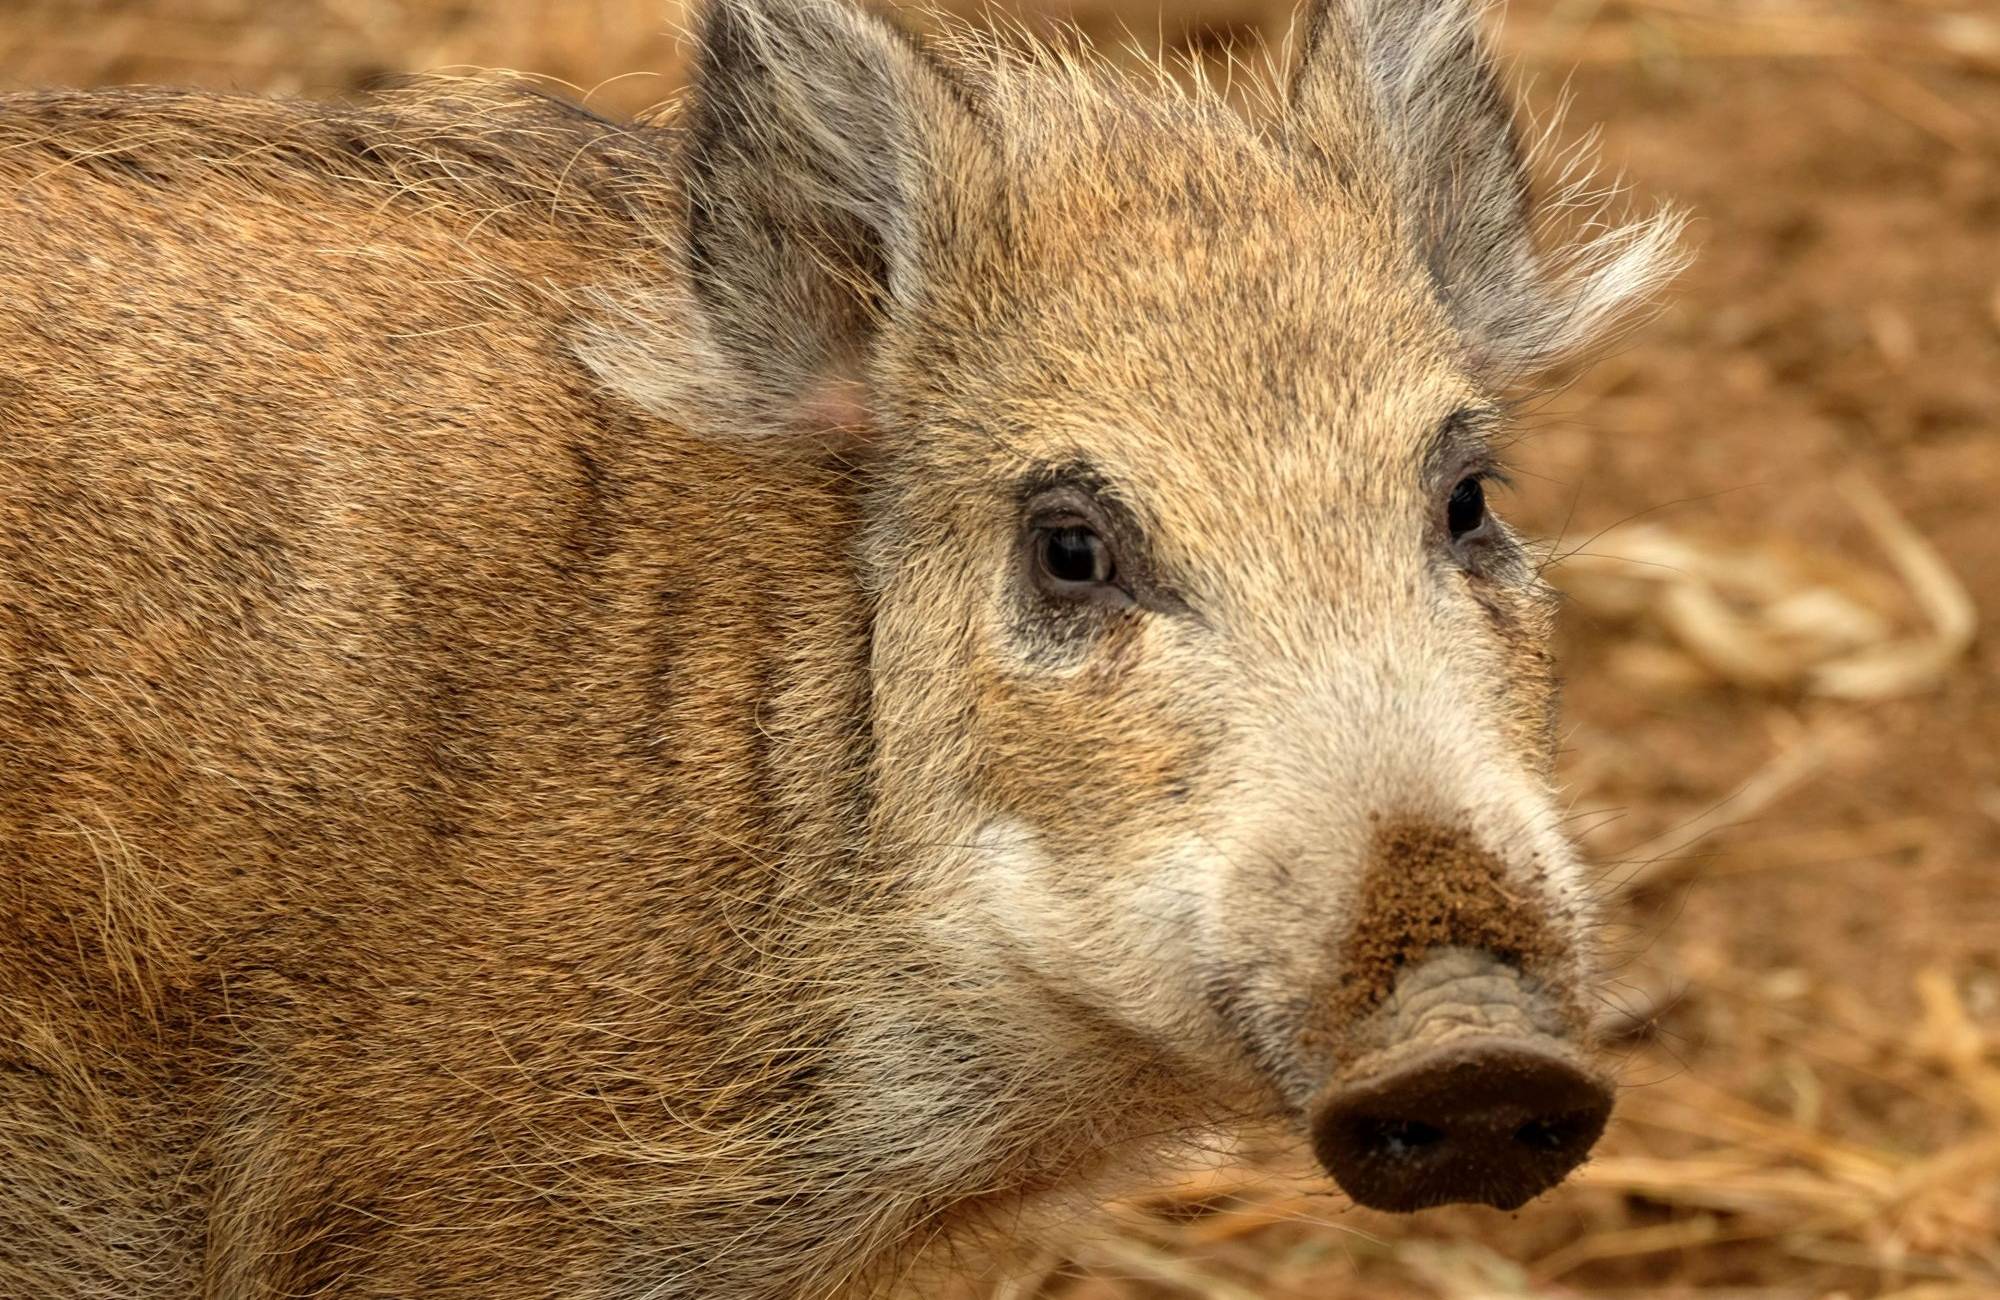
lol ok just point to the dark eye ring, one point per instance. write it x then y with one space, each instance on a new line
1073 558
1465 512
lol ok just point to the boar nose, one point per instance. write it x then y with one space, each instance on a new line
1489 1121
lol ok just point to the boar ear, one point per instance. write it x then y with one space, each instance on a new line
1407 91
827 162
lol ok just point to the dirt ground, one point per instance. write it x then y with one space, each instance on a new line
1771 508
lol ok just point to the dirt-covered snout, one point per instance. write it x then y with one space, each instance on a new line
1462 1070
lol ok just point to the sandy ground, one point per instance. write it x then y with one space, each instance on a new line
1772 499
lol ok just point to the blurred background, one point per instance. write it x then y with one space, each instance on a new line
1776 512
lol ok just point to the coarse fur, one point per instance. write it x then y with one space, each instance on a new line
534 762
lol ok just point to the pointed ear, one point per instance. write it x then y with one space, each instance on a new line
828 163
1406 90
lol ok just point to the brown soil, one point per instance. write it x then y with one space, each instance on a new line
1810 987
1428 888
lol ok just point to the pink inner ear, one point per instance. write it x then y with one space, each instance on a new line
835 408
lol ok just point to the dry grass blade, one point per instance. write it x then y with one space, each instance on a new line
1668 854
1770 615
1131 1255
1914 663
1677 1234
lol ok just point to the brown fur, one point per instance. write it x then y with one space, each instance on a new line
393 740
527 764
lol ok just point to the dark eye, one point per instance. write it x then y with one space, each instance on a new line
1075 556
1466 510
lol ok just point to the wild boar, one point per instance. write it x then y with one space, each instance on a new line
688 707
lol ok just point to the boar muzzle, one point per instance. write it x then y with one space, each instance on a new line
1463 1076
1465 1085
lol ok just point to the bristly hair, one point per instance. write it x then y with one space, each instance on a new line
1431 71
1399 101
1530 290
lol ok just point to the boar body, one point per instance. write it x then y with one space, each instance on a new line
544 752
403 737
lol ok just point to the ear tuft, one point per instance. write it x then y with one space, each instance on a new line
1599 266
1406 91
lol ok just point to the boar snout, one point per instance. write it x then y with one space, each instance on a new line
1464 1074
1472 1093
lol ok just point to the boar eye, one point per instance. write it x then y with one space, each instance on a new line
1072 557
1466 510
1080 546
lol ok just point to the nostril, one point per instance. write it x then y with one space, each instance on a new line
1557 1133
1396 1137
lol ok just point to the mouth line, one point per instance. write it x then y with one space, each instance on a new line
1264 1033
